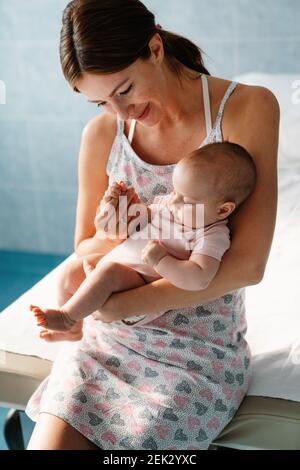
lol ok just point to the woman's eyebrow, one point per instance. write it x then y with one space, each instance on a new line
112 93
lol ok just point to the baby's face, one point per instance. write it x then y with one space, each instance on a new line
191 203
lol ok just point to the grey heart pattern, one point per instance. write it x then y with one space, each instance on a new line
246 362
240 378
159 332
218 326
202 312
181 319
169 414
201 409
116 419
233 347
180 436
94 420
229 377
219 353
141 336
178 344
192 365
129 378
202 436
220 406
153 354
150 444
133 395
150 372
211 380
113 361
183 387
111 394
128 443
159 189
231 413
80 396
82 373
101 375
227 298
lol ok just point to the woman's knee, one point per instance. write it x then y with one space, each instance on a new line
53 433
71 276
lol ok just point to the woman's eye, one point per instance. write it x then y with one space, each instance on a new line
122 93
126 91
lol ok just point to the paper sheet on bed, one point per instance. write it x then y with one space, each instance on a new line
272 307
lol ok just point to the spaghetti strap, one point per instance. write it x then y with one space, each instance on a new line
217 126
131 131
120 124
207 110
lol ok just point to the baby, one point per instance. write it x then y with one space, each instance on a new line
182 236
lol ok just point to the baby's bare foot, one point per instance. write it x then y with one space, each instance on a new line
74 334
53 319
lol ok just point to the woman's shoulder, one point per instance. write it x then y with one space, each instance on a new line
248 103
102 127
243 94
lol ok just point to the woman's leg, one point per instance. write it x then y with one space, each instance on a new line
52 433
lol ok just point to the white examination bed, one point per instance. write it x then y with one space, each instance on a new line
269 417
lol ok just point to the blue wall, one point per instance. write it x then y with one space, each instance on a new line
42 120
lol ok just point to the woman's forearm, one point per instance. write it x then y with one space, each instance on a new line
95 245
236 271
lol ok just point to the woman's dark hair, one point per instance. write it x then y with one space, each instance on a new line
106 36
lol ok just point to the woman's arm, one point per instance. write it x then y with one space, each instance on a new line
256 127
96 142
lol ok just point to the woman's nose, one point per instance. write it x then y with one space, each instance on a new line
121 110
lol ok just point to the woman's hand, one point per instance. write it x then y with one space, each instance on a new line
109 213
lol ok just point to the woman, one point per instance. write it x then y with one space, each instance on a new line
125 388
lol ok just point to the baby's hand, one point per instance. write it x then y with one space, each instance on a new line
104 213
153 253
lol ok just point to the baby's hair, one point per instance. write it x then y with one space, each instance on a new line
229 167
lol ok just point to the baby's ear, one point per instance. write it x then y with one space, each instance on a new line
226 209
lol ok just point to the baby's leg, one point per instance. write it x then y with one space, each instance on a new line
70 278
92 294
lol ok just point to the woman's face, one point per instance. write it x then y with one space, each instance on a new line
137 92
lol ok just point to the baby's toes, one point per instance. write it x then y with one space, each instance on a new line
40 318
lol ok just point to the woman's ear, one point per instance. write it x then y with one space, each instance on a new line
225 210
157 48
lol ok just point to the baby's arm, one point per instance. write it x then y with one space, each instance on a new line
193 274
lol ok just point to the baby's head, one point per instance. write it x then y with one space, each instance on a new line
221 176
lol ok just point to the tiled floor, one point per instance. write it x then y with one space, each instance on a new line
19 272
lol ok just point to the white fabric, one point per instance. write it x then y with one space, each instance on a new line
207 112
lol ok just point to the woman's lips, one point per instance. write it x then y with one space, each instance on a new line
144 113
